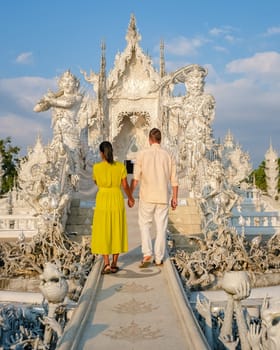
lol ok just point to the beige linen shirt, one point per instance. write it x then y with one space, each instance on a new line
155 168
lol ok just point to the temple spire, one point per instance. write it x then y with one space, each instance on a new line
102 75
102 91
162 60
132 36
271 171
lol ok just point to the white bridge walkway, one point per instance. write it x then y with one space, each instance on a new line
134 308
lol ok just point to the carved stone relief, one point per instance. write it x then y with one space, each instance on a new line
134 332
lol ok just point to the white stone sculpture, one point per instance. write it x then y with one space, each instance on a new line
47 178
126 104
203 307
1 171
18 325
54 288
252 335
217 198
53 284
91 117
225 250
271 172
234 325
132 99
189 120
237 286
235 161
270 315
66 104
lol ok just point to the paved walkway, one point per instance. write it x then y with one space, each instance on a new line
134 308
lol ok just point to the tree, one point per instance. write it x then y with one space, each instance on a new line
259 175
10 163
260 179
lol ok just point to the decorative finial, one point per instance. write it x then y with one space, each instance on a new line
132 36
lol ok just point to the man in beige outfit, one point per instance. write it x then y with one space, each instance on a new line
155 169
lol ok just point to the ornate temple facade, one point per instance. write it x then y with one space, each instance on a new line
123 106
135 97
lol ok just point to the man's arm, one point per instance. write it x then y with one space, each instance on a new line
133 185
174 199
130 199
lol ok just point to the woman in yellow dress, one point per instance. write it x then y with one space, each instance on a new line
109 228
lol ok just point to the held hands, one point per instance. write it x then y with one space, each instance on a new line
130 202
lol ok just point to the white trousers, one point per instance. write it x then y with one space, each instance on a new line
149 212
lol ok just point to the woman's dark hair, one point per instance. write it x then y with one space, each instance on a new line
107 149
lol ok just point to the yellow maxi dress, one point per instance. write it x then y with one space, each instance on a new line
109 227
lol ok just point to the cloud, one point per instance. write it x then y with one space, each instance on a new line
242 98
25 58
23 92
217 31
220 49
230 38
183 46
262 63
17 98
221 31
249 104
23 130
272 31
225 32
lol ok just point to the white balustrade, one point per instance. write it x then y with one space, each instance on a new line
13 225
256 222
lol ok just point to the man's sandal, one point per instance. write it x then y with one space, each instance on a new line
146 262
106 269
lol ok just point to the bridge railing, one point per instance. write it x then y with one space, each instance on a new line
256 222
13 225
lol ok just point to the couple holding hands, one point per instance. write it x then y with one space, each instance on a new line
155 170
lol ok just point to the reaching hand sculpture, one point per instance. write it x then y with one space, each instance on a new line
204 309
237 286
254 336
270 315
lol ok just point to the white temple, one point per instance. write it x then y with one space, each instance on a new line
55 179
133 98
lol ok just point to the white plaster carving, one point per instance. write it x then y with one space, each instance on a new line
1 170
271 172
126 104
133 98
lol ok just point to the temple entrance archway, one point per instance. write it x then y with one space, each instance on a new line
132 136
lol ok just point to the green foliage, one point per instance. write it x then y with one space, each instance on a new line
10 162
259 175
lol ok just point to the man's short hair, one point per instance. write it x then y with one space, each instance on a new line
155 135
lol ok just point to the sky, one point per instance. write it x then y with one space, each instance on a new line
237 41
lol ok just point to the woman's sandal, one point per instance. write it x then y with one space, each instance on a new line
114 269
106 269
